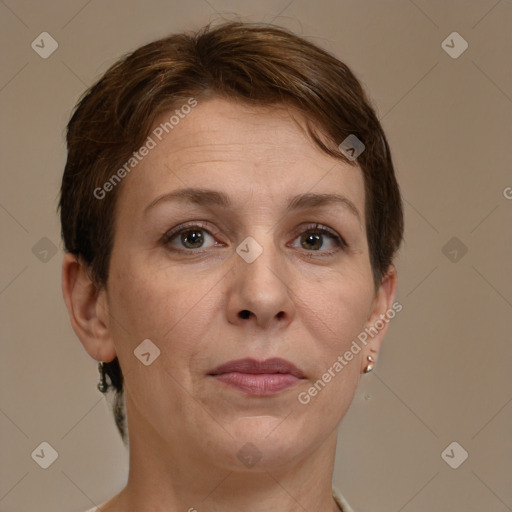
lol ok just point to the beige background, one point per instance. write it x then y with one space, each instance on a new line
444 373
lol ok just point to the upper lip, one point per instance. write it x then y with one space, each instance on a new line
274 365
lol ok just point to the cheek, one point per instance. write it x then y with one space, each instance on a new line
173 312
335 318
335 314
145 305
337 306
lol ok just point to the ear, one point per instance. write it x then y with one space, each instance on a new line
380 315
88 309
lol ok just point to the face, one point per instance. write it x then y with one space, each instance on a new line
267 272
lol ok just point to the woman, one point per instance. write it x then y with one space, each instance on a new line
230 215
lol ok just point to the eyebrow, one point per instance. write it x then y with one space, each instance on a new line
206 197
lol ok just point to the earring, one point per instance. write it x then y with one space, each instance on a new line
102 384
371 363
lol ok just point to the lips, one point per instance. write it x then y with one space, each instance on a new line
252 366
258 378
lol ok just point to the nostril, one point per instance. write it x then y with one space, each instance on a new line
245 313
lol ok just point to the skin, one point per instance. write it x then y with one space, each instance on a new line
186 427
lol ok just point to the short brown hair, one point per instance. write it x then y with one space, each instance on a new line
258 64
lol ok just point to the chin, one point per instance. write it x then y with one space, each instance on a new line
264 443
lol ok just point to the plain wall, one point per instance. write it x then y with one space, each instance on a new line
443 374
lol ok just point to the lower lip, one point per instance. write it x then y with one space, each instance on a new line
263 384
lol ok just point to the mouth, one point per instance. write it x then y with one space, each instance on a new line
258 378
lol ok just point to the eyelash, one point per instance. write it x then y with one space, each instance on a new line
314 227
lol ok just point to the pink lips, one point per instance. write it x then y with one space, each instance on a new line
259 378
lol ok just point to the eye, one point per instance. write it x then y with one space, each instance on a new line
189 237
313 239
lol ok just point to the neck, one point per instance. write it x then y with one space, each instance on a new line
170 476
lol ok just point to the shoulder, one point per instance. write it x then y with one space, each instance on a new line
340 500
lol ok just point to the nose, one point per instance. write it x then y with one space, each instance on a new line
260 291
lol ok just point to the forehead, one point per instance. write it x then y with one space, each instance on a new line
261 154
